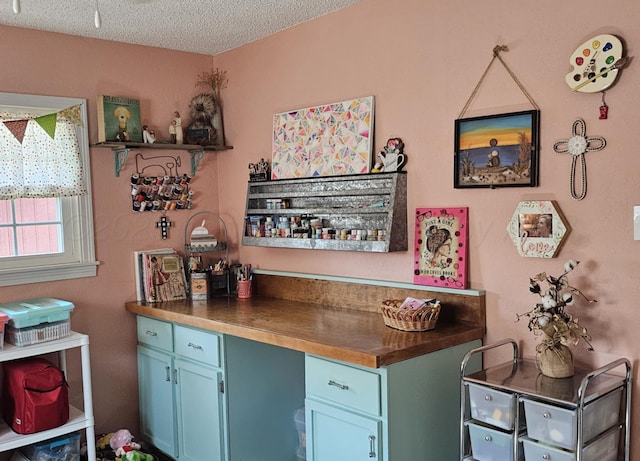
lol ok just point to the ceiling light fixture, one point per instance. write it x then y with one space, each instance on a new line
16 6
97 18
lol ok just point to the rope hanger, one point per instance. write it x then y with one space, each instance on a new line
496 55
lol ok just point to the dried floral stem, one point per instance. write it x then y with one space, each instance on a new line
215 79
549 316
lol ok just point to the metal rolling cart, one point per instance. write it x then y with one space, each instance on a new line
511 411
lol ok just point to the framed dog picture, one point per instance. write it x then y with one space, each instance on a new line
119 119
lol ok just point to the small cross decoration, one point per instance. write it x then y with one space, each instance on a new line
164 224
577 145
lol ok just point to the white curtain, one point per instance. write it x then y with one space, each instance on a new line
41 165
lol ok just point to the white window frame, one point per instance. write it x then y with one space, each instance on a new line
77 213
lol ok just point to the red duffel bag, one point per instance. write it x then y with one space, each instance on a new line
35 395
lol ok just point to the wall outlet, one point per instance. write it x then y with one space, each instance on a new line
636 222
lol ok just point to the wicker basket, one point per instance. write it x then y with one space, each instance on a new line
421 319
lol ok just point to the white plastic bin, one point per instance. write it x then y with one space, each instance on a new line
558 426
491 406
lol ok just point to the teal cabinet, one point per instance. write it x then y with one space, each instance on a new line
199 412
181 384
337 435
404 411
157 402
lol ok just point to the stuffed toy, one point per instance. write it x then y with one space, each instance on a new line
126 453
126 449
121 438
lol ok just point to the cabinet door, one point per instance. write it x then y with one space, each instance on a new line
338 435
200 415
157 402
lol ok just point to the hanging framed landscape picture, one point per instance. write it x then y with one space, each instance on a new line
497 150
441 237
326 140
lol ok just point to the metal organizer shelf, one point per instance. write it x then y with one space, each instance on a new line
370 201
513 412
220 283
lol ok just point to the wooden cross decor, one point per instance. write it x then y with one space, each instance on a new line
164 224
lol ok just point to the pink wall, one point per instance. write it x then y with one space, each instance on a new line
164 81
421 60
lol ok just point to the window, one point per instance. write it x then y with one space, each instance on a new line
46 239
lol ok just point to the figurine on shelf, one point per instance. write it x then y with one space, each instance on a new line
148 136
177 123
392 158
259 171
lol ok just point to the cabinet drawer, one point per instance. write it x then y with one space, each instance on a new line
155 333
491 406
342 384
199 345
558 426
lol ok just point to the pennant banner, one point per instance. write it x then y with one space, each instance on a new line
17 128
48 123
72 114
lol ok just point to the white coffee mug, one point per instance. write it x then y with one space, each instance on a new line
393 162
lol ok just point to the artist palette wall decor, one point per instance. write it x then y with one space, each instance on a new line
538 228
497 150
326 140
441 241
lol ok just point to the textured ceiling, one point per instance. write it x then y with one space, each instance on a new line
199 26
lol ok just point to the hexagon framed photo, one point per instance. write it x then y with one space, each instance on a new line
538 228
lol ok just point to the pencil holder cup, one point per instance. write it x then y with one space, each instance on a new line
244 289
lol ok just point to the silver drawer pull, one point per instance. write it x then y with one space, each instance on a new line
168 370
151 333
488 438
372 446
344 387
546 456
487 398
196 347
546 415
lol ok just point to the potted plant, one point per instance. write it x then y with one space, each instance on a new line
551 319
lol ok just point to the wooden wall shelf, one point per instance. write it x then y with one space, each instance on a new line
121 151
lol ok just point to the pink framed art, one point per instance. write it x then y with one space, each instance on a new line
441 238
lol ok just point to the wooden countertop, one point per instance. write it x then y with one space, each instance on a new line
339 333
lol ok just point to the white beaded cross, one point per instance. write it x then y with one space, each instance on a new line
577 145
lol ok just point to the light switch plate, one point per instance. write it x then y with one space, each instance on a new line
636 222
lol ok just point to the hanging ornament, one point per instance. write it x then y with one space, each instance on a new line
604 109
577 145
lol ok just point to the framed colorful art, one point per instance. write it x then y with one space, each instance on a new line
441 237
497 150
326 140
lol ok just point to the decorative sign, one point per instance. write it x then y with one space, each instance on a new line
538 229
441 247
328 140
